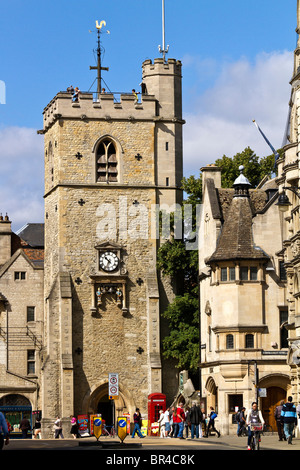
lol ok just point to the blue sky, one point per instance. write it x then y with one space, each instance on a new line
237 60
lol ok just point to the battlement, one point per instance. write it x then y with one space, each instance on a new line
107 107
172 66
160 99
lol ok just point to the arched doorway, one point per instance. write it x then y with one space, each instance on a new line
269 404
106 408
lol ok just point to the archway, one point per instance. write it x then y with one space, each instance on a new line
107 409
97 401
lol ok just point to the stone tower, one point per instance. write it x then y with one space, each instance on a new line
108 165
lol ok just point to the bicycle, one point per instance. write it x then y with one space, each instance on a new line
268 430
255 440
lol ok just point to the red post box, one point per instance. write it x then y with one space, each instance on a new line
156 402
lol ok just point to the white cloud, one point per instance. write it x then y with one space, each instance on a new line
22 174
220 121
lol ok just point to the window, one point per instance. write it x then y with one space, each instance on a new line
231 274
30 313
249 341
244 273
223 274
234 402
107 165
20 275
31 361
229 342
253 273
283 331
248 274
282 271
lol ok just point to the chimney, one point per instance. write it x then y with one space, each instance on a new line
5 239
211 172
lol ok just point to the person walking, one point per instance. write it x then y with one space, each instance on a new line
37 429
58 428
4 433
74 427
211 423
195 418
167 422
202 425
136 419
25 427
279 423
180 419
289 419
241 420
162 425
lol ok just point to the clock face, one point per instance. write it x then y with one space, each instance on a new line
108 261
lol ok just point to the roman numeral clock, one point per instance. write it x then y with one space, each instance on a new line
109 278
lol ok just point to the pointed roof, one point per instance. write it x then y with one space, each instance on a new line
236 238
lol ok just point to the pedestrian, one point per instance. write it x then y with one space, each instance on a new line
70 89
58 428
254 416
202 425
25 427
172 425
74 427
4 433
279 423
187 422
211 423
76 95
179 419
195 420
137 419
241 420
161 422
167 422
37 428
289 419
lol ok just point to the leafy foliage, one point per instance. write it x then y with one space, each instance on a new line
174 260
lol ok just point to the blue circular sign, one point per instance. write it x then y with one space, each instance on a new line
122 423
97 422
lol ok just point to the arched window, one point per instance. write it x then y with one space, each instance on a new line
229 342
106 162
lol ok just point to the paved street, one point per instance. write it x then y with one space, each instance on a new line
151 444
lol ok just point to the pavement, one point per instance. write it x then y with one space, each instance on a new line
150 445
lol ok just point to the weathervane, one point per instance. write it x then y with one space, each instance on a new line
163 50
98 67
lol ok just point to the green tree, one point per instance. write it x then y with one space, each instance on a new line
181 265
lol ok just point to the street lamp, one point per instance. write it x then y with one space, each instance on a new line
283 200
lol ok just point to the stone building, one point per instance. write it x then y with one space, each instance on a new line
289 183
88 301
108 166
21 318
243 298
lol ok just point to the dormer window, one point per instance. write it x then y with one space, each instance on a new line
106 162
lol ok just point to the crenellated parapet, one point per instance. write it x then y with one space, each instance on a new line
105 108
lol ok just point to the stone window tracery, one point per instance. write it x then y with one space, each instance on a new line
106 162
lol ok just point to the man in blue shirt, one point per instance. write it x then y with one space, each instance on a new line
289 419
3 431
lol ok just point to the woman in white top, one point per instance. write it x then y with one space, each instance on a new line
254 416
